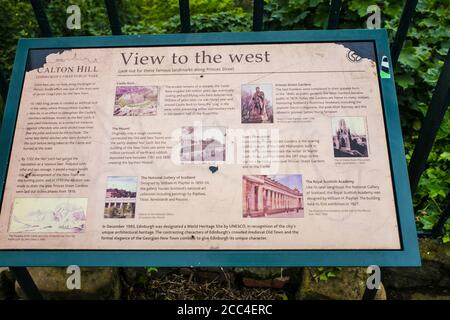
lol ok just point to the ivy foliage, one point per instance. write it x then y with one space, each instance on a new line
416 73
325 273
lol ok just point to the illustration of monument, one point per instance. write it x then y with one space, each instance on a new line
256 104
258 112
350 137
343 137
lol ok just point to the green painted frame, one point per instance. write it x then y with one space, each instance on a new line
407 256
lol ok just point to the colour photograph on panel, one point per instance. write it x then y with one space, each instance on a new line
256 103
120 202
136 101
272 196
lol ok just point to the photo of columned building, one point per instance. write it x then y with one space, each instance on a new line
123 201
120 202
272 196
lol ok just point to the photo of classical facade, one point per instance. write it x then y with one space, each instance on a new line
277 196
202 144
120 199
349 137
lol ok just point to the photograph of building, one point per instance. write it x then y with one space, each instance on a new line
256 103
203 144
349 137
120 199
136 101
277 196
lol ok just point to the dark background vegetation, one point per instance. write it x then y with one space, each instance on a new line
416 74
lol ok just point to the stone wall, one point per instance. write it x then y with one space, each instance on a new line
431 281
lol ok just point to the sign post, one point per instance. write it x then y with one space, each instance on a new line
248 149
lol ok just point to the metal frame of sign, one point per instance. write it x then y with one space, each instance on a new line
407 256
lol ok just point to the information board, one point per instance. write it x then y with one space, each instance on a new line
224 149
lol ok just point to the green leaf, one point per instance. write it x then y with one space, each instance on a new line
431 76
444 156
283 296
152 269
408 57
428 220
443 51
404 80
360 6
428 22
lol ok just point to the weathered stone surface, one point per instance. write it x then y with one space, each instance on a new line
433 250
6 285
427 275
276 283
96 283
419 294
435 270
349 284
133 275
259 273
445 295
